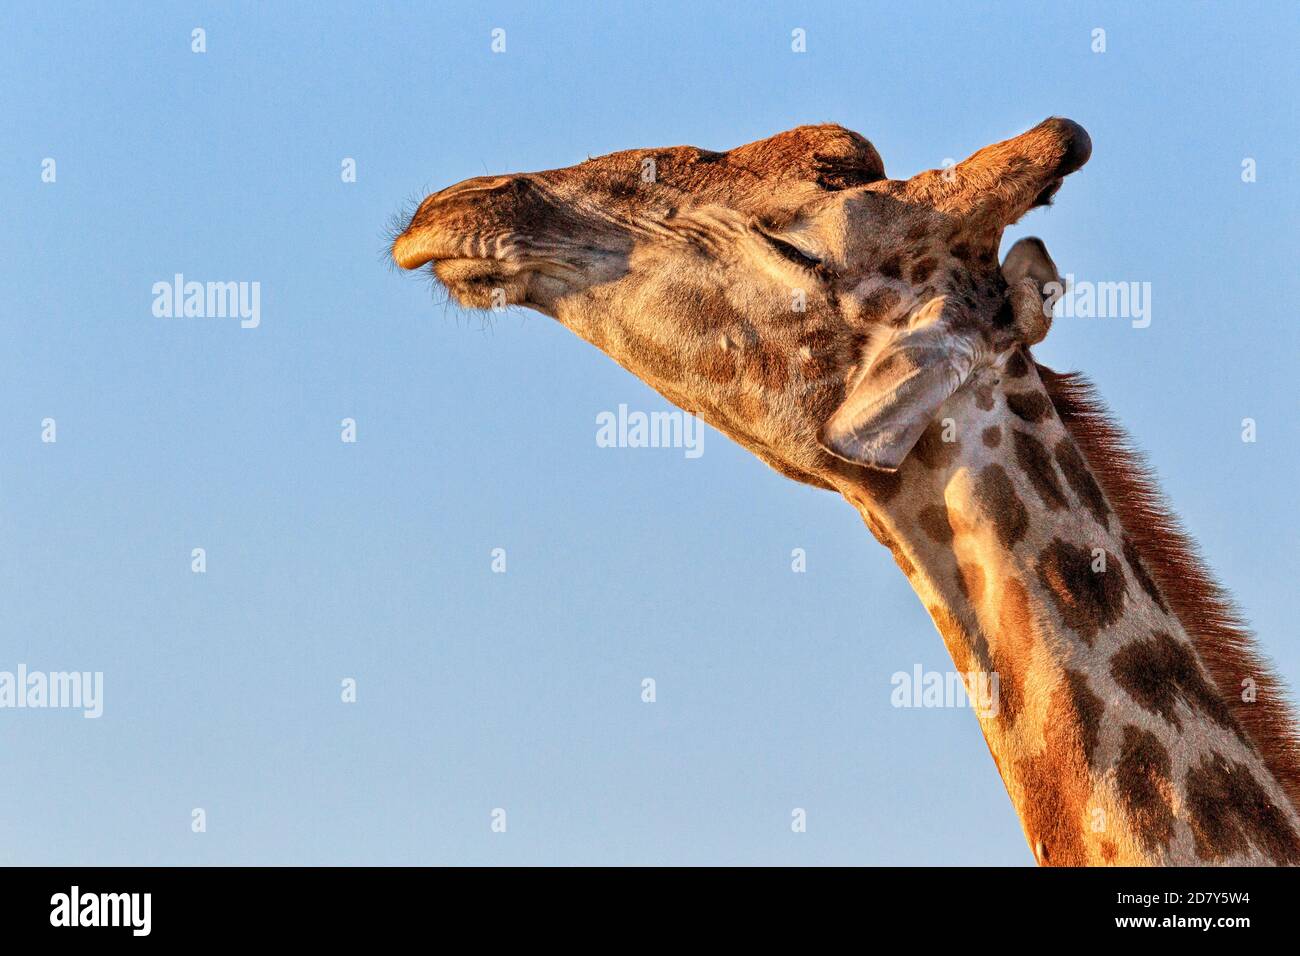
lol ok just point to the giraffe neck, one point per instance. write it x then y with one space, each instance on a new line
1114 743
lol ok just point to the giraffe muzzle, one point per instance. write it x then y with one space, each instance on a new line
1077 144
998 184
471 220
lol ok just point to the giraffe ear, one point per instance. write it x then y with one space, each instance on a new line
1034 286
1028 259
906 381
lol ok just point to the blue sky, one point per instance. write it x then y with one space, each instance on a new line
371 560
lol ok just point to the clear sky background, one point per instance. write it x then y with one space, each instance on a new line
372 560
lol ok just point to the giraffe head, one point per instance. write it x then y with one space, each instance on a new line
802 302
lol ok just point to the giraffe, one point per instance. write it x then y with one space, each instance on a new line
857 333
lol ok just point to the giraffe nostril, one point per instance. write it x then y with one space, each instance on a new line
481 185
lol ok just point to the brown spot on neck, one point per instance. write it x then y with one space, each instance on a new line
1142 775
932 451
881 487
997 498
1229 812
1139 570
1016 365
1036 463
1080 477
1087 600
933 519
1031 406
1088 707
1160 672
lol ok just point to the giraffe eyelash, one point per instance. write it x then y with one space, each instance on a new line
792 253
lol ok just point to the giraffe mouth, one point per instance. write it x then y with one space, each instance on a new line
461 269
483 283
1077 151
1044 198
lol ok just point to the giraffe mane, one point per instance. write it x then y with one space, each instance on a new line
1206 611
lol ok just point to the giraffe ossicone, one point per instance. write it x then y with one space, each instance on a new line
859 334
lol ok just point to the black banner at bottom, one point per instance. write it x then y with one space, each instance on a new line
87 905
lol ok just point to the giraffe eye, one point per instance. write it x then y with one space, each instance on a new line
792 253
